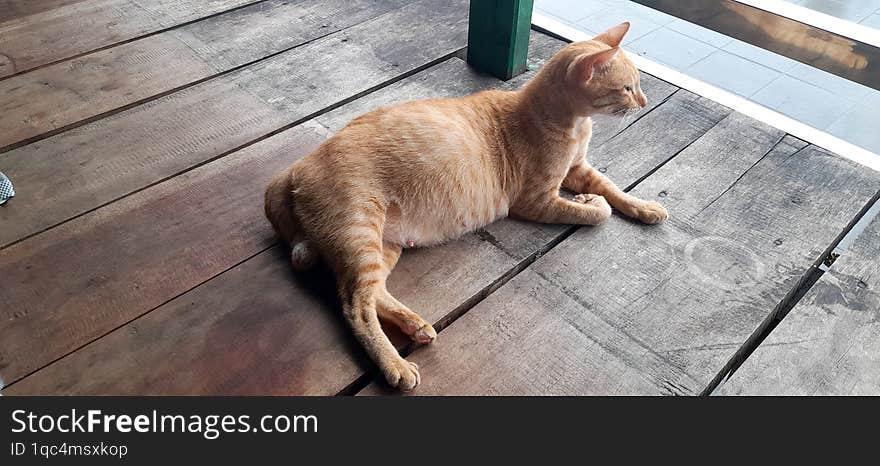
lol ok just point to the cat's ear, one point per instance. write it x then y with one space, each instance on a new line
614 36
585 66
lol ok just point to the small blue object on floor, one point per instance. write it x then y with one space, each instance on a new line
6 191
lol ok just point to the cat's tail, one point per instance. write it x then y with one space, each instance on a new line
281 214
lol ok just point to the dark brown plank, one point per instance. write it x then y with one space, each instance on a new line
117 245
316 353
671 302
75 28
75 171
829 344
56 97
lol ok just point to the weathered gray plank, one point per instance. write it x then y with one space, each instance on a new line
73 172
684 295
58 96
829 344
501 348
73 28
311 350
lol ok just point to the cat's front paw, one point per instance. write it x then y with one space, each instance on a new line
597 201
651 212
403 375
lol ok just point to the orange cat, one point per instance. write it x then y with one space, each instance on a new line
421 173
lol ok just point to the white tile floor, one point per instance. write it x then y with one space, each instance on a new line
856 11
822 100
733 73
687 51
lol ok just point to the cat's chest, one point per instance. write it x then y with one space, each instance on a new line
579 137
581 130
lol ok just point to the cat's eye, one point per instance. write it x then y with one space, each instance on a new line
628 88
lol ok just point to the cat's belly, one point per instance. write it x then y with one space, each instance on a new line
434 226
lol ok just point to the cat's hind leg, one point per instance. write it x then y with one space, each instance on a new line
392 310
410 323
356 255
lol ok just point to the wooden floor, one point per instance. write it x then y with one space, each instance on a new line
135 258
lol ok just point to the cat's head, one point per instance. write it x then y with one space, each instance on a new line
600 79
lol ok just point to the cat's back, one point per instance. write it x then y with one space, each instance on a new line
474 112
421 131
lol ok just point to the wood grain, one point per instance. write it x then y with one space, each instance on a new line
59 96
302 345
68 29
829 344
73 172
682 296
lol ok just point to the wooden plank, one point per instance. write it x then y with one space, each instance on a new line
59 96
12 9
320 357
73 172
498 36
79 27
681 297
829 344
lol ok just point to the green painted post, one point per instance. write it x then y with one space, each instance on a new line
498 36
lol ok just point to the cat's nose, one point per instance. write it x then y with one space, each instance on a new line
642 99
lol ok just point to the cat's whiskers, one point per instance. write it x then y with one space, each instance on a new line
623 116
